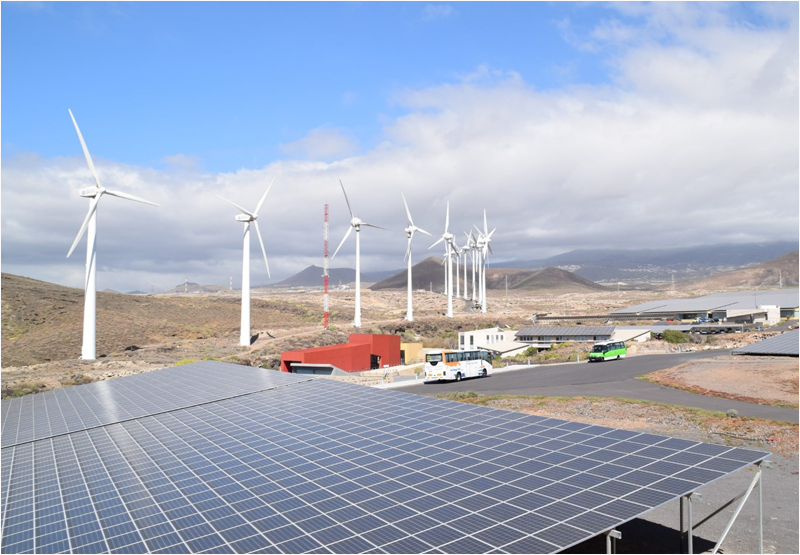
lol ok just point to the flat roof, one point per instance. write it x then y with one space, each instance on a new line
565 330
785 298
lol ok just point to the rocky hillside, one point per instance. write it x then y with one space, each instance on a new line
42 321
765 275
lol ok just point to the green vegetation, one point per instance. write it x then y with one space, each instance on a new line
183 361
461 395
409 336
672 336
24 388
77 379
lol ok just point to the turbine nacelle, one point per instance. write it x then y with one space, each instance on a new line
245 218
356 223
90 192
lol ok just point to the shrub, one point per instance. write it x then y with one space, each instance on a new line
732 413
672 336
183 361
463 395
409 336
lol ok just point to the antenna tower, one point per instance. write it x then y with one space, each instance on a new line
325 271
230 286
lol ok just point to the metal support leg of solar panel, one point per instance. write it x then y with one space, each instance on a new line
688 533
611 541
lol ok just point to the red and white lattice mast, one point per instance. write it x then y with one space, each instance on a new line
325 270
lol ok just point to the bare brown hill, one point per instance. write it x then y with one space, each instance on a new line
553 280
780 271
430 273
43 322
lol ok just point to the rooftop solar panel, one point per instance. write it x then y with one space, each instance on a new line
787 343
52 413
328 466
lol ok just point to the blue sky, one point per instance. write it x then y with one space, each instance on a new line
542 113
230 82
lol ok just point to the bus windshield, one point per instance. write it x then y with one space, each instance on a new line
437 357
599 349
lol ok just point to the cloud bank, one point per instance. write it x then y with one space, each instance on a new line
695 141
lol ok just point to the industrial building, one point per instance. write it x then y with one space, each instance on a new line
361 352
544 337
766 307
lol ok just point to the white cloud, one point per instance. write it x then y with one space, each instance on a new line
182 161
322 143
433 12
695 143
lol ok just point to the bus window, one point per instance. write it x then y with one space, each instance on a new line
433 357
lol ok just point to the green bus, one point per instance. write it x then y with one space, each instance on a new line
607 350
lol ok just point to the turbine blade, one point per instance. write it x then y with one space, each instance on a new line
492 233
376 226
346 200
258 232
129 197
488 246
408 212
85 151
436 243
485 226
242 210
261 202
480 233
447 218
422 231
346 235
92 208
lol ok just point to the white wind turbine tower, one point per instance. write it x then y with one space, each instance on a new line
410 230
355 223
457 256
473 248
466 250
247 217
484 238
447 237
88 349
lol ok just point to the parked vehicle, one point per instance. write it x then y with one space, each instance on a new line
457 365
606 350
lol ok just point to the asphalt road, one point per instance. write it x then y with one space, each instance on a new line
606 379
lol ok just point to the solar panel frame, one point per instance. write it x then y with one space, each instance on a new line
219 473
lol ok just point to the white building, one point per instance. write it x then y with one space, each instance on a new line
484 339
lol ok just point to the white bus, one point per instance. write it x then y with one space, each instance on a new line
456 365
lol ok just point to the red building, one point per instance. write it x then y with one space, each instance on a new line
361 352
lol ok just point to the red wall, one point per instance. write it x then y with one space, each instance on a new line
353 356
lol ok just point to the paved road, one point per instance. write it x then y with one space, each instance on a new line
607 379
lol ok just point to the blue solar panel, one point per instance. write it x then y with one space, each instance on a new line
324 465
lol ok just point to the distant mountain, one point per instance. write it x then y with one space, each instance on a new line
430 274
547 279
424 275
192 287
648 265
312 277
771 274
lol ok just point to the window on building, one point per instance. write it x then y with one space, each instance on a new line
471 340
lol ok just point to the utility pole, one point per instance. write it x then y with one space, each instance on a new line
230 284
325 321
506 290
186 286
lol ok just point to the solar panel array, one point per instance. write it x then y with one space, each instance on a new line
72 409
325 466
787 343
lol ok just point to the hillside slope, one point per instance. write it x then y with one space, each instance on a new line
431 272
771 274
42 321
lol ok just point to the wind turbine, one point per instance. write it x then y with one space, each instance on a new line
471 242
88 349
447 237
485 238
247 217
355 223
410 230
465 250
